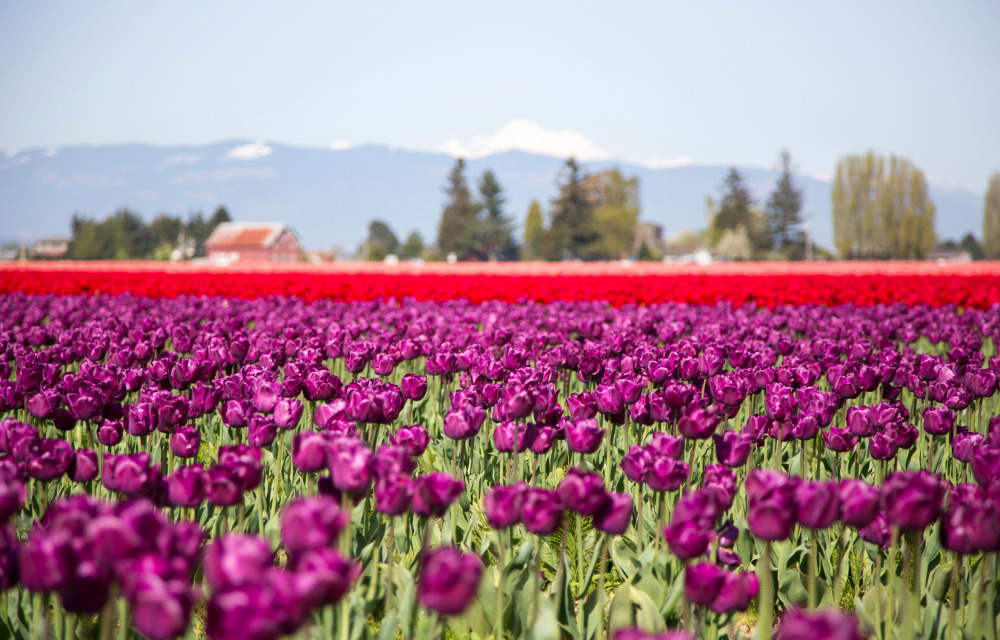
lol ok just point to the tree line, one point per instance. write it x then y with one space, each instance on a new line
124 235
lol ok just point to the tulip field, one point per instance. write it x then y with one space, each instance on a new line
546 452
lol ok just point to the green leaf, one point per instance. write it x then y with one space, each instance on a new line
546 627
647 615
621 614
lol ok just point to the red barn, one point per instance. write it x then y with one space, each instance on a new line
253 242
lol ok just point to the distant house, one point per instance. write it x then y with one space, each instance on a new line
53 248
253 242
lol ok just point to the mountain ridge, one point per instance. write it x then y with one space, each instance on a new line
329 195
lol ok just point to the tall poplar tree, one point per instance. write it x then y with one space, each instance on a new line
991 218
534 233
459 218
881 209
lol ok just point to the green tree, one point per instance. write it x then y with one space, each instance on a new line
991 218
534 233
572 231
971 244
782 213
221 215
413 247
736 204
381 241
88 242
616 213
496 228
164 232
881 209
458 230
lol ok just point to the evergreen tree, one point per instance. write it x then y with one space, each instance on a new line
881 209
413 247
782 213
735 206
381 241
970 244
496 229
534 233
991 218
572 216
221 215
459 218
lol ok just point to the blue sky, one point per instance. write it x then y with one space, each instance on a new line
654 82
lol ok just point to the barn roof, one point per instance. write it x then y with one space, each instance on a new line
246 234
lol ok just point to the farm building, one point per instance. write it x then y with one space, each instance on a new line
253 242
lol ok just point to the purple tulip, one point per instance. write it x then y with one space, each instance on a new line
9 551
971 523
504 435
309 451
130 474
223 489
43 403
244 462
236 560
265 396
829 624
877 531
583 435
463 422
883 446
413 438
503 505
665 474
449 580
665 444
698 424
985 464
235 413
350 462
141 419
434 493
262 432
110 432
733 448
12 497
161 609
393 496
859 421
839 440
185 442
771 501
187 486
736 592
858 502
414 387
817 504
328 574
311 523
83 467
938 421
45 560
912 500
582 491
50 459
615 514
542 511
540 438
287 412
702 582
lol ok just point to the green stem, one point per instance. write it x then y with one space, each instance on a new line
765 615
391 565
500 604
813 551
600 584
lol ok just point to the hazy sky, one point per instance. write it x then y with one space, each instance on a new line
656 82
